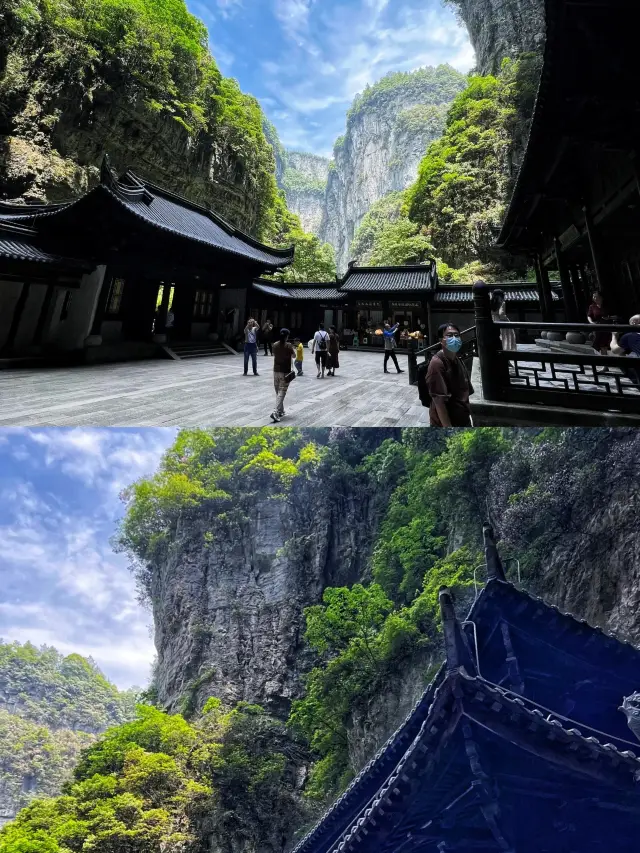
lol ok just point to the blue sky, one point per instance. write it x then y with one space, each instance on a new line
305 60
60 582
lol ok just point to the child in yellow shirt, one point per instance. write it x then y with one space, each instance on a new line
299 355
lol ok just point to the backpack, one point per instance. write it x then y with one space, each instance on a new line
322 343
423 389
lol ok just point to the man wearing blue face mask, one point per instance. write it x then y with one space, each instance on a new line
448 382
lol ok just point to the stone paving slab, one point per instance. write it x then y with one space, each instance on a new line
208 392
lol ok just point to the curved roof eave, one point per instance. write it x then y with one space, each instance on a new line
551 18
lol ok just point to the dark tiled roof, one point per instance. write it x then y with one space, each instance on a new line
313 290
165 211
172 213
354 807
322 293
17 247
447 293
408 278
481 700
271 289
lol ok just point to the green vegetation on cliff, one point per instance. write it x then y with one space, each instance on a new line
160 783
313 260
430 85
51 708
70 692
296 181
387 236
466 176
61 62
453 209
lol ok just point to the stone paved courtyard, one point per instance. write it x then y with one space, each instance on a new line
208 392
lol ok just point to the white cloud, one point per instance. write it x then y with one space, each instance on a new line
338 48
107 458
61 582
294 17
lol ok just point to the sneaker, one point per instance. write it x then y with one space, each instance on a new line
275 417
400 371
318 376
245 374
256 374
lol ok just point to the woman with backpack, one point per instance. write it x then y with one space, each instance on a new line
321 348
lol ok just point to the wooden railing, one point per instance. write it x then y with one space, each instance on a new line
560 379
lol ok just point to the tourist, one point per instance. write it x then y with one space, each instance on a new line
321 347
629 345
595 315
283 352
499 314
299 355
267 336
251 345
390 346
334 352
168 326
448 382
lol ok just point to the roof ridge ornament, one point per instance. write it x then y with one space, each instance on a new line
495 569
456 645
107 175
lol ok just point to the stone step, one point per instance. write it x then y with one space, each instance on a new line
196 350
565 346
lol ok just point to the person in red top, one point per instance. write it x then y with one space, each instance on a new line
595 315
448 382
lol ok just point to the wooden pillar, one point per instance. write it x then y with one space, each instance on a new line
596 254
215 311
493 369
430 330
44 314
570 306
17 316
542 293
101 307
579 293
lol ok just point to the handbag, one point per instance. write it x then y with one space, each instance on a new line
289 377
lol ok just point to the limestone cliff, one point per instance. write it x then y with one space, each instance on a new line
501 28
228 614
388 130
304 182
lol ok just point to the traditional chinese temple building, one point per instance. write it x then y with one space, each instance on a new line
365 297
88 272
576 203
516 746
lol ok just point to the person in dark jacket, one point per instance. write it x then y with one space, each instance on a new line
267 337
334 352
448 382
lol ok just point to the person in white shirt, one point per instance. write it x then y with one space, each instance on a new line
320 347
